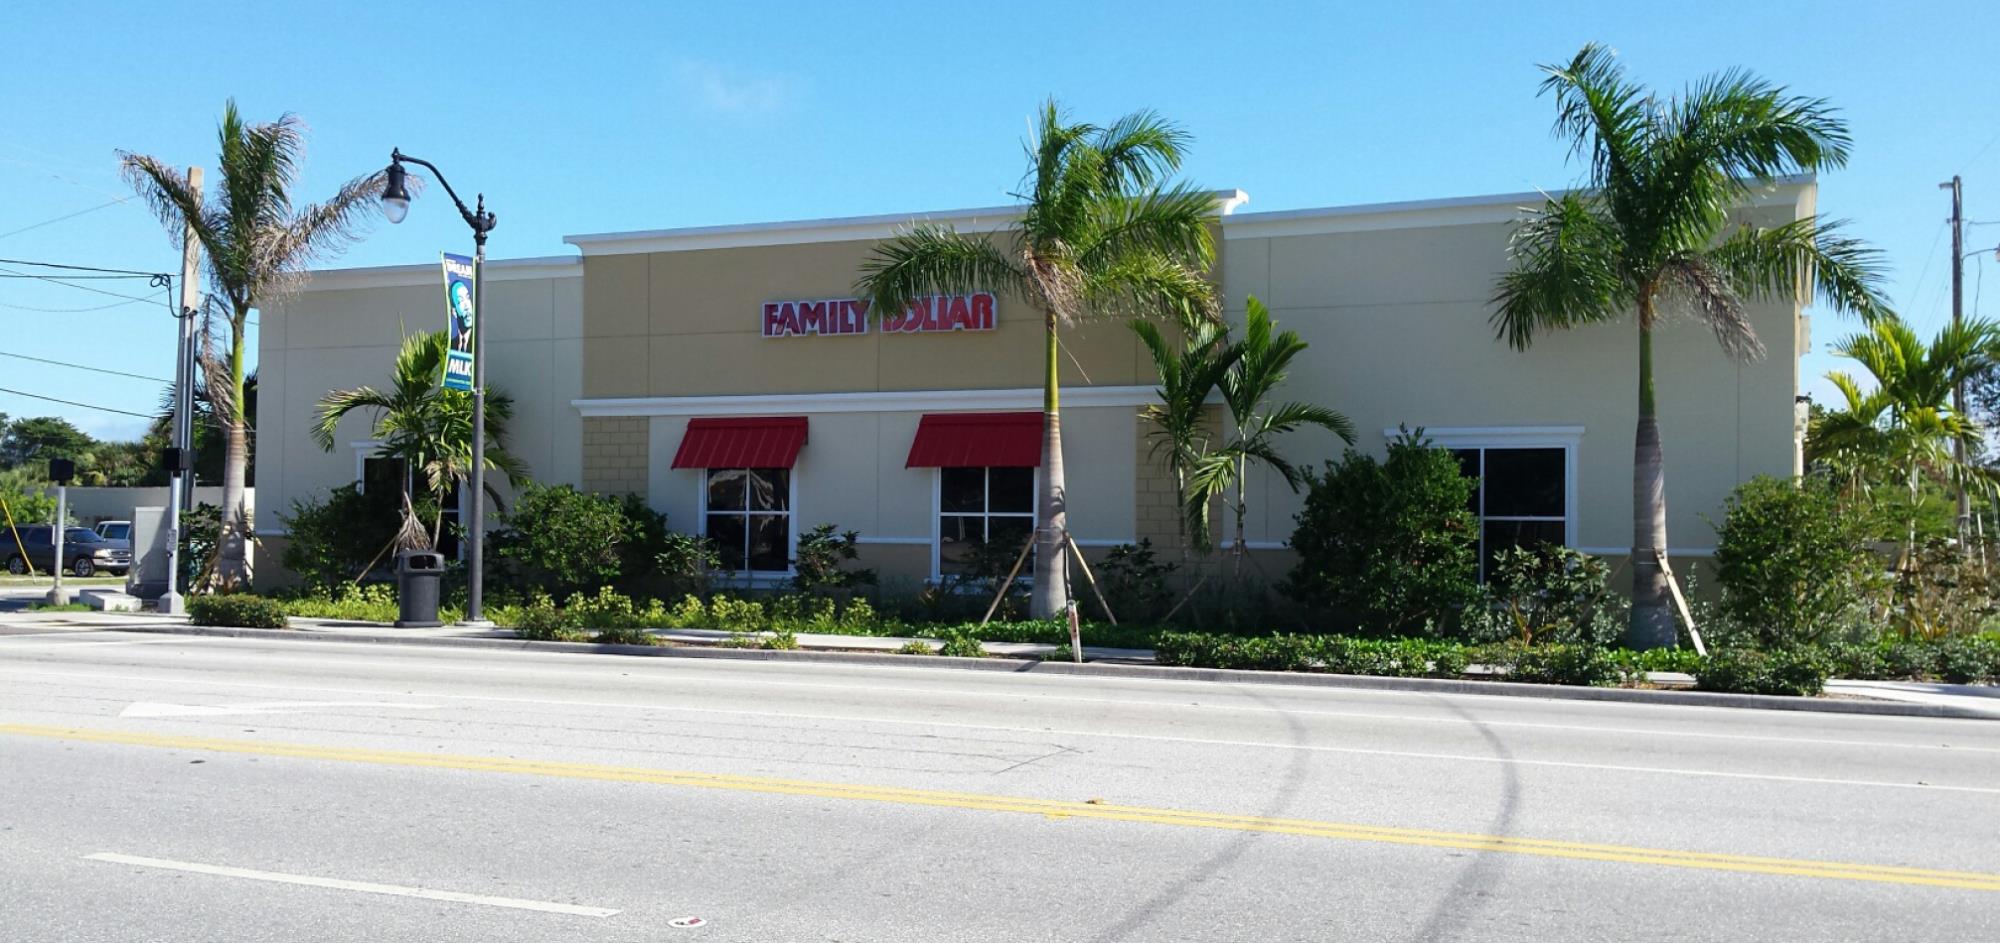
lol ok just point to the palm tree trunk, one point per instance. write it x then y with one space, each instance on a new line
232 567
1241 548
1652 622
1051 592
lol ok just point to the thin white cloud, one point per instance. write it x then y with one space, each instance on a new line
724 91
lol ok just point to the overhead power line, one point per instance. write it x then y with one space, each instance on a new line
115 304
71 402
87 268
67 216
79 366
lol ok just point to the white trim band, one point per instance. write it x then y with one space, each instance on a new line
834 229
768 404
409 276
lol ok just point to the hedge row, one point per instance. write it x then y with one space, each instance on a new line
239 610
1795 672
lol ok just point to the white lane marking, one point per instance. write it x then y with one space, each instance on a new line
1122 702
154 709
89 643
1045 732
394 890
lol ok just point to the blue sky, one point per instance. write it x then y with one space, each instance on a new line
605 117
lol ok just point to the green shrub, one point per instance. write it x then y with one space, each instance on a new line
737 615
624 635
1551 593
819 562
1945 590
1135 582
1636 663
1794 562
562 540
782 638
685 564
1969 659
374 602
916 647
1388 546
240 610
333 541
1583 665
541 620
1790 671
961 644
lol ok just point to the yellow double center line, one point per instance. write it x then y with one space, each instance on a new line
1057 809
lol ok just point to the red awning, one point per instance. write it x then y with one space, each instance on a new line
975 440
751 442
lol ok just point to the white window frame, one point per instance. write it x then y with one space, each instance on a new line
937 515
791 525
1567 438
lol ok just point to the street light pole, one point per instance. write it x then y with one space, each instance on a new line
395 206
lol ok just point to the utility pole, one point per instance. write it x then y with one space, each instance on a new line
182 434
1957 189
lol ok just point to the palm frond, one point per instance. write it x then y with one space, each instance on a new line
1807 260
1140 149
1173 222
1706 292
1601 115
934 260
1566 272
1145 285
336 405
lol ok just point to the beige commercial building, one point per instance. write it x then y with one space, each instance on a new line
725 374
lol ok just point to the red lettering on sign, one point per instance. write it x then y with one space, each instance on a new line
812 317
849 316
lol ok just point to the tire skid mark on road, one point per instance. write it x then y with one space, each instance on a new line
1053 809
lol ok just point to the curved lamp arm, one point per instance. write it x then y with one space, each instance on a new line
481 221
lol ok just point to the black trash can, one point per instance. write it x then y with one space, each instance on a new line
419 573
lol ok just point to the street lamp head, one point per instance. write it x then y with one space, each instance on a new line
395 193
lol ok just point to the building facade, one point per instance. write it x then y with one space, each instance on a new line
728 375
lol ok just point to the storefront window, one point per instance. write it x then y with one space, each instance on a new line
978 507
1521 499
389 476
750 518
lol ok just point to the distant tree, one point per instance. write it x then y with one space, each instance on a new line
37 440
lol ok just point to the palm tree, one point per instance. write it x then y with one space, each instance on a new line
425 425
1903 430
1189 373
1103 233
1652 234
1263 361
256 245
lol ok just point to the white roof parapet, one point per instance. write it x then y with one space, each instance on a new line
404 276
836 229
1448 211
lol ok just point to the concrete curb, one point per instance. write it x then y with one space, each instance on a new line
1104 670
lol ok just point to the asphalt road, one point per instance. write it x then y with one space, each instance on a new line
203 789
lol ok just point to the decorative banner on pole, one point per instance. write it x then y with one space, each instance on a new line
931 314
460 322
